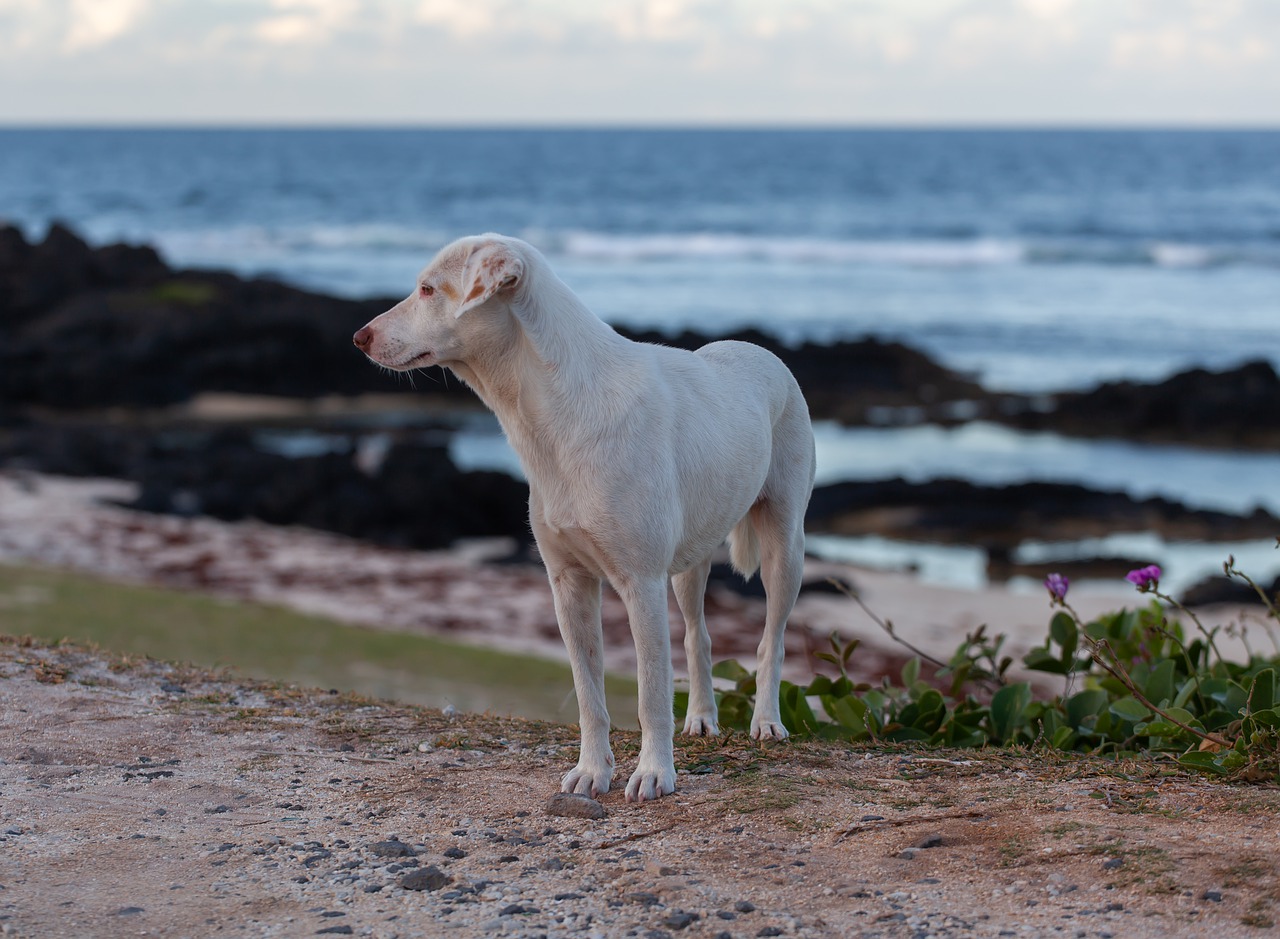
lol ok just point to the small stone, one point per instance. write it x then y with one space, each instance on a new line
568 896
218 810
929 841
552 864
872 818
644 898
573 805
169 687
515 909
1114 863
1213 896
726 914
770 931
346 748
456 854
744 906
392 848
425 878
680 920
343 930
129 911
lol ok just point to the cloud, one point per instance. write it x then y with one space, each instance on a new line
309 22
98 22
881 61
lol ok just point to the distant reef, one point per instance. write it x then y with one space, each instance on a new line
101 347
115 326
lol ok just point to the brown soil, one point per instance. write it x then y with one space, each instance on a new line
145 799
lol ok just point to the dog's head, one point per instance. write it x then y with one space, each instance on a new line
458 308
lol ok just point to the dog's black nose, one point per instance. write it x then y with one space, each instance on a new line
362 338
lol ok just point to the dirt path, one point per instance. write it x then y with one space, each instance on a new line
143 799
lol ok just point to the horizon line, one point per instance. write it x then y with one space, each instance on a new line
1100 126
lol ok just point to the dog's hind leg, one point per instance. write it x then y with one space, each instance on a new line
781 569
691 589
577 600
646 602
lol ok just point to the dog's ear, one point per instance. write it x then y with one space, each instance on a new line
491 267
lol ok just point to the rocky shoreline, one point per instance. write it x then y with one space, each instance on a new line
104 353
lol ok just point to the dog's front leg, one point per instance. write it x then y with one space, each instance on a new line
646 602
577 599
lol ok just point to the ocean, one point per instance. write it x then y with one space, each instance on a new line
1033 260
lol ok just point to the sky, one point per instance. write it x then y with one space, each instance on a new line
641 62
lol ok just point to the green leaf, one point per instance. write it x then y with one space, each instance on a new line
1130 709
1203 761
849 713
1084 705
1159 687
730 670
910 673
1063 738
1063 631
1040 659
1007 710
1262 693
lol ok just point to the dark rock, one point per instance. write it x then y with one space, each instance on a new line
961 512
1221 589
929 841
1237 408
573 805
1113 864
392 848
680 919
776 930
426 878
644 898
129 911
744 906
455 854
343 930
1213 896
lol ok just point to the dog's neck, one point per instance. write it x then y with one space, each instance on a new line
560 359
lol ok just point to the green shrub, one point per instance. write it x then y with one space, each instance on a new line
1132 684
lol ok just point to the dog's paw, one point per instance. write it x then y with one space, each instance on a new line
645 785
586 781
767 729
701 725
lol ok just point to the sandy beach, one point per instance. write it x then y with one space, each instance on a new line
465 595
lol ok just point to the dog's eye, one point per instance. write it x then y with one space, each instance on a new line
426 290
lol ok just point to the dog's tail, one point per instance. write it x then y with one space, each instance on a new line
744 548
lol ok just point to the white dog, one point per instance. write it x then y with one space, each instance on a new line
641 461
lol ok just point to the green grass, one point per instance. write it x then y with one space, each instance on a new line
263 641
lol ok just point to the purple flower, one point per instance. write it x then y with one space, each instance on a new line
1057 585
1144 578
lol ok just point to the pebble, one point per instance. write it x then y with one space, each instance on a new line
1213 896
1111 864
680 920
392 848
744 906
425 878
572 805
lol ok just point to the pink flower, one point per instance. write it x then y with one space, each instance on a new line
1144 578
1057 585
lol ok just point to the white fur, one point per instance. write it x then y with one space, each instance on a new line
641 461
